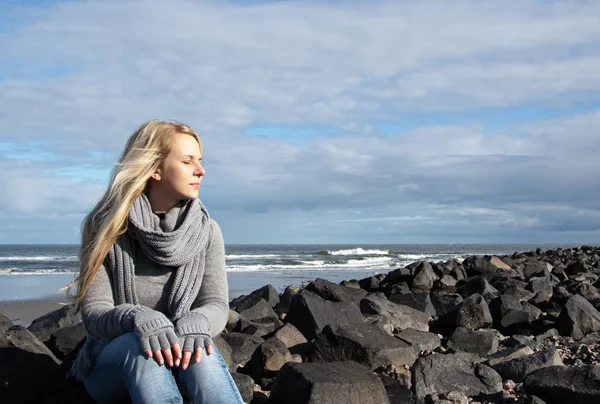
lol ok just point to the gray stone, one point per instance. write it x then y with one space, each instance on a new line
437 374
334 292
43 327
268 293
365 344
65 340
482 343
416 300
402 317
561 384
474 313
267 359
225 351
327 383
286 299
5 323
509 354
423 277
242 346
445 303
293 339
421 340
517 369
579 318
245 386
310 313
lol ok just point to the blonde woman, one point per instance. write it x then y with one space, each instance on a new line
152 288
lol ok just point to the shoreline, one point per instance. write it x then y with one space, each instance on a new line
23 312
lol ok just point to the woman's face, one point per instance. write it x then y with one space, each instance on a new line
181 173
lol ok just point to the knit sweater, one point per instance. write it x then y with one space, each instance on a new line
105 321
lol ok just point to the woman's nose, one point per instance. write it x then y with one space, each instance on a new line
200 171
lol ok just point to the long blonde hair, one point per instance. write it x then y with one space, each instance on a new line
144 152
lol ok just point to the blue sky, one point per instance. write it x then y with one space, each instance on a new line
322 121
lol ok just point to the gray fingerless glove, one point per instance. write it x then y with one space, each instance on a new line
194 332
154 330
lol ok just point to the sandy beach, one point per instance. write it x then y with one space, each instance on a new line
23 312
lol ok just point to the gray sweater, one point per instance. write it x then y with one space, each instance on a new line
105 321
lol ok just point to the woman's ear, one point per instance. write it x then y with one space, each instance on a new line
156 175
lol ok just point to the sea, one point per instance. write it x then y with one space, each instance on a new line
41 271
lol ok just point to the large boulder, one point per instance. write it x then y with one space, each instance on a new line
44 326
334 292
310 313
579 317
242 346
561 384
482 343
517 369
267 359
365 344
437 374
327 383
267 293
417 300
400 316
65 340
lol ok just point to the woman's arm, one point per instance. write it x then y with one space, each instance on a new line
101 317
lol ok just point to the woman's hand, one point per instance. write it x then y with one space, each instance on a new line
172 356
193 346
157 337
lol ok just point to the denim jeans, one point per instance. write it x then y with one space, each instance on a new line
123 373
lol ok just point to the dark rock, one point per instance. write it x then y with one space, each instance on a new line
232 320
508 354
402 317
478 285
371 284
561 384
286 299
536 268
487 266
268 293
579 318
517 369
225 351
364 344
310 313
421 340
447 281
576 267
437 374
511 315
416 300
542 289
28 367
333 292
474 313
259 309
44 326
482 343
400 288
445 303
503 284
62 342
293 339
396 391
267 359
423 277
245 386
534 400
327 383
242 346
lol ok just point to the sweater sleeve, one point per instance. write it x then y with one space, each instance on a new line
212 304
101 317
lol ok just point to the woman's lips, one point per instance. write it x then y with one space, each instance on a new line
195 185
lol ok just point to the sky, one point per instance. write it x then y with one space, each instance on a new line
467 121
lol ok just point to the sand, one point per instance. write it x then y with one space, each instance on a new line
23 312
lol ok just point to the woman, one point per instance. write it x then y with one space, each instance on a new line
152 288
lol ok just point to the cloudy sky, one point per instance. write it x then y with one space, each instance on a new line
322 121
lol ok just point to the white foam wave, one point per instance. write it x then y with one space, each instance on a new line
38 272
358 251
40 258
368 263
252 256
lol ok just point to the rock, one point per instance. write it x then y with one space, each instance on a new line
242 346
396 391
371 284
327 383
517 369
445 303
225 351
579 318
28 367
423 277
65 340
474 313
268 293
44 326
402 317
5 323
421 340
267 359
482 343
416 300
542 289
397 276
363 343
511 315
479 285
284 304
487 266
508 355
576 267
310 313
293 339
245 386
232 320
561 384
333 292
536 268
257 309
438 374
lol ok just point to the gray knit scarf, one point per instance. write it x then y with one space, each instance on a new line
177 241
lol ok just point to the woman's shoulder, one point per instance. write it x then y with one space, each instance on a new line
214 230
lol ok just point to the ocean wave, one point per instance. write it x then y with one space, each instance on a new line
41 258
38 272
383 264
252 256
357 251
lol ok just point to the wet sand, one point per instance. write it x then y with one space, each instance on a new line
23 312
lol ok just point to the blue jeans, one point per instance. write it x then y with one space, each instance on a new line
122 372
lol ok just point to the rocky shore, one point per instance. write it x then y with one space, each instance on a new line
523 328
